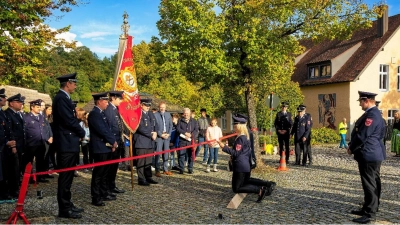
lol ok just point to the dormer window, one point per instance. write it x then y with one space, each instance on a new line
319 70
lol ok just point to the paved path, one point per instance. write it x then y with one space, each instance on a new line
324 193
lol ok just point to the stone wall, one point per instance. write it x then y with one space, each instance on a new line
29 94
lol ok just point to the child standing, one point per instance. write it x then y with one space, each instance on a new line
214 132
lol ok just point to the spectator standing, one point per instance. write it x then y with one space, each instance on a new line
174 140
213 132
48 134
204 123
85 147
164 121
342 133
395 140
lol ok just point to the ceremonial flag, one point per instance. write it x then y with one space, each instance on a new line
125 80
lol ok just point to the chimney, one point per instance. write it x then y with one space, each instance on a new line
383 21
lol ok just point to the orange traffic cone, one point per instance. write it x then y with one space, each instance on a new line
282 166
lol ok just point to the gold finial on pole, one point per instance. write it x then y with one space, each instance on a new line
125 26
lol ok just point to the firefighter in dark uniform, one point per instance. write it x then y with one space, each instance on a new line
67 134
367 146
103 143
116 125
309 152
253 154
5 147
35 139
143 139
283 124
17 134
301 131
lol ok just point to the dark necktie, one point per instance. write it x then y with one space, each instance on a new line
163 119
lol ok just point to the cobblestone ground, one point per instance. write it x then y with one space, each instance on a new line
323 193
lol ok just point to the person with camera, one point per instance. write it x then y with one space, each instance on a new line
242 182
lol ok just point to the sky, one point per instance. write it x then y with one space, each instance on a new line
97 24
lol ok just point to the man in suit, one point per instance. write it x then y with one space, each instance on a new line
103 143
116 125
283 124
188 129
17 134
36 138
6 146
67 134
301 130
367 146
164 121
143 139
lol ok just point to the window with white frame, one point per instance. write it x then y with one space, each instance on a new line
390 117
224 122
398 78
383 77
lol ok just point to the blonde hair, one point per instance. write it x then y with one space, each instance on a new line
81 115
242 130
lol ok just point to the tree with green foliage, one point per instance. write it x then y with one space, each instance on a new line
24 37
250 45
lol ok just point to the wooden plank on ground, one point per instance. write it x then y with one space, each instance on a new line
236 200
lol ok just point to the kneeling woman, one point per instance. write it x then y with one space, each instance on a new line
240 156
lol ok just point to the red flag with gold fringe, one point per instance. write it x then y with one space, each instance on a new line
126 81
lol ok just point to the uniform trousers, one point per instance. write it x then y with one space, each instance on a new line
371 183
143 165
112 174
301 149
37 152
99 184
65 160
283 139
309 152
11 172
243 183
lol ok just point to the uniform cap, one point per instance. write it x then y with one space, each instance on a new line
366 95
69 77
146 101
23 99
3 93
241 115
117 94
239 120
100 96
17 98
36 102
300 108
284 104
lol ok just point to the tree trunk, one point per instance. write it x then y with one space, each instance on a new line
251 108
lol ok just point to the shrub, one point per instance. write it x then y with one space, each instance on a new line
324 136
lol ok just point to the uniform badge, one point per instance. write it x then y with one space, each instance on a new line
238 147
368 122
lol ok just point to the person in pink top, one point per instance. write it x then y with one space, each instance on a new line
214 132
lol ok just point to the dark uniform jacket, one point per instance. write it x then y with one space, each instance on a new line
67 130
191 127
240 153
301 128
35 130
17 128
4 135
366 138
115 122
283 121
142 137
100 132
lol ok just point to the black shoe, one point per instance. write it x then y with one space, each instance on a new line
262 195
143 183
98 203
118 191
175 168
151 181
180 171
108 198
49 176
77 210
190 171
364 219
42 180
70 214
358 212
111 194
